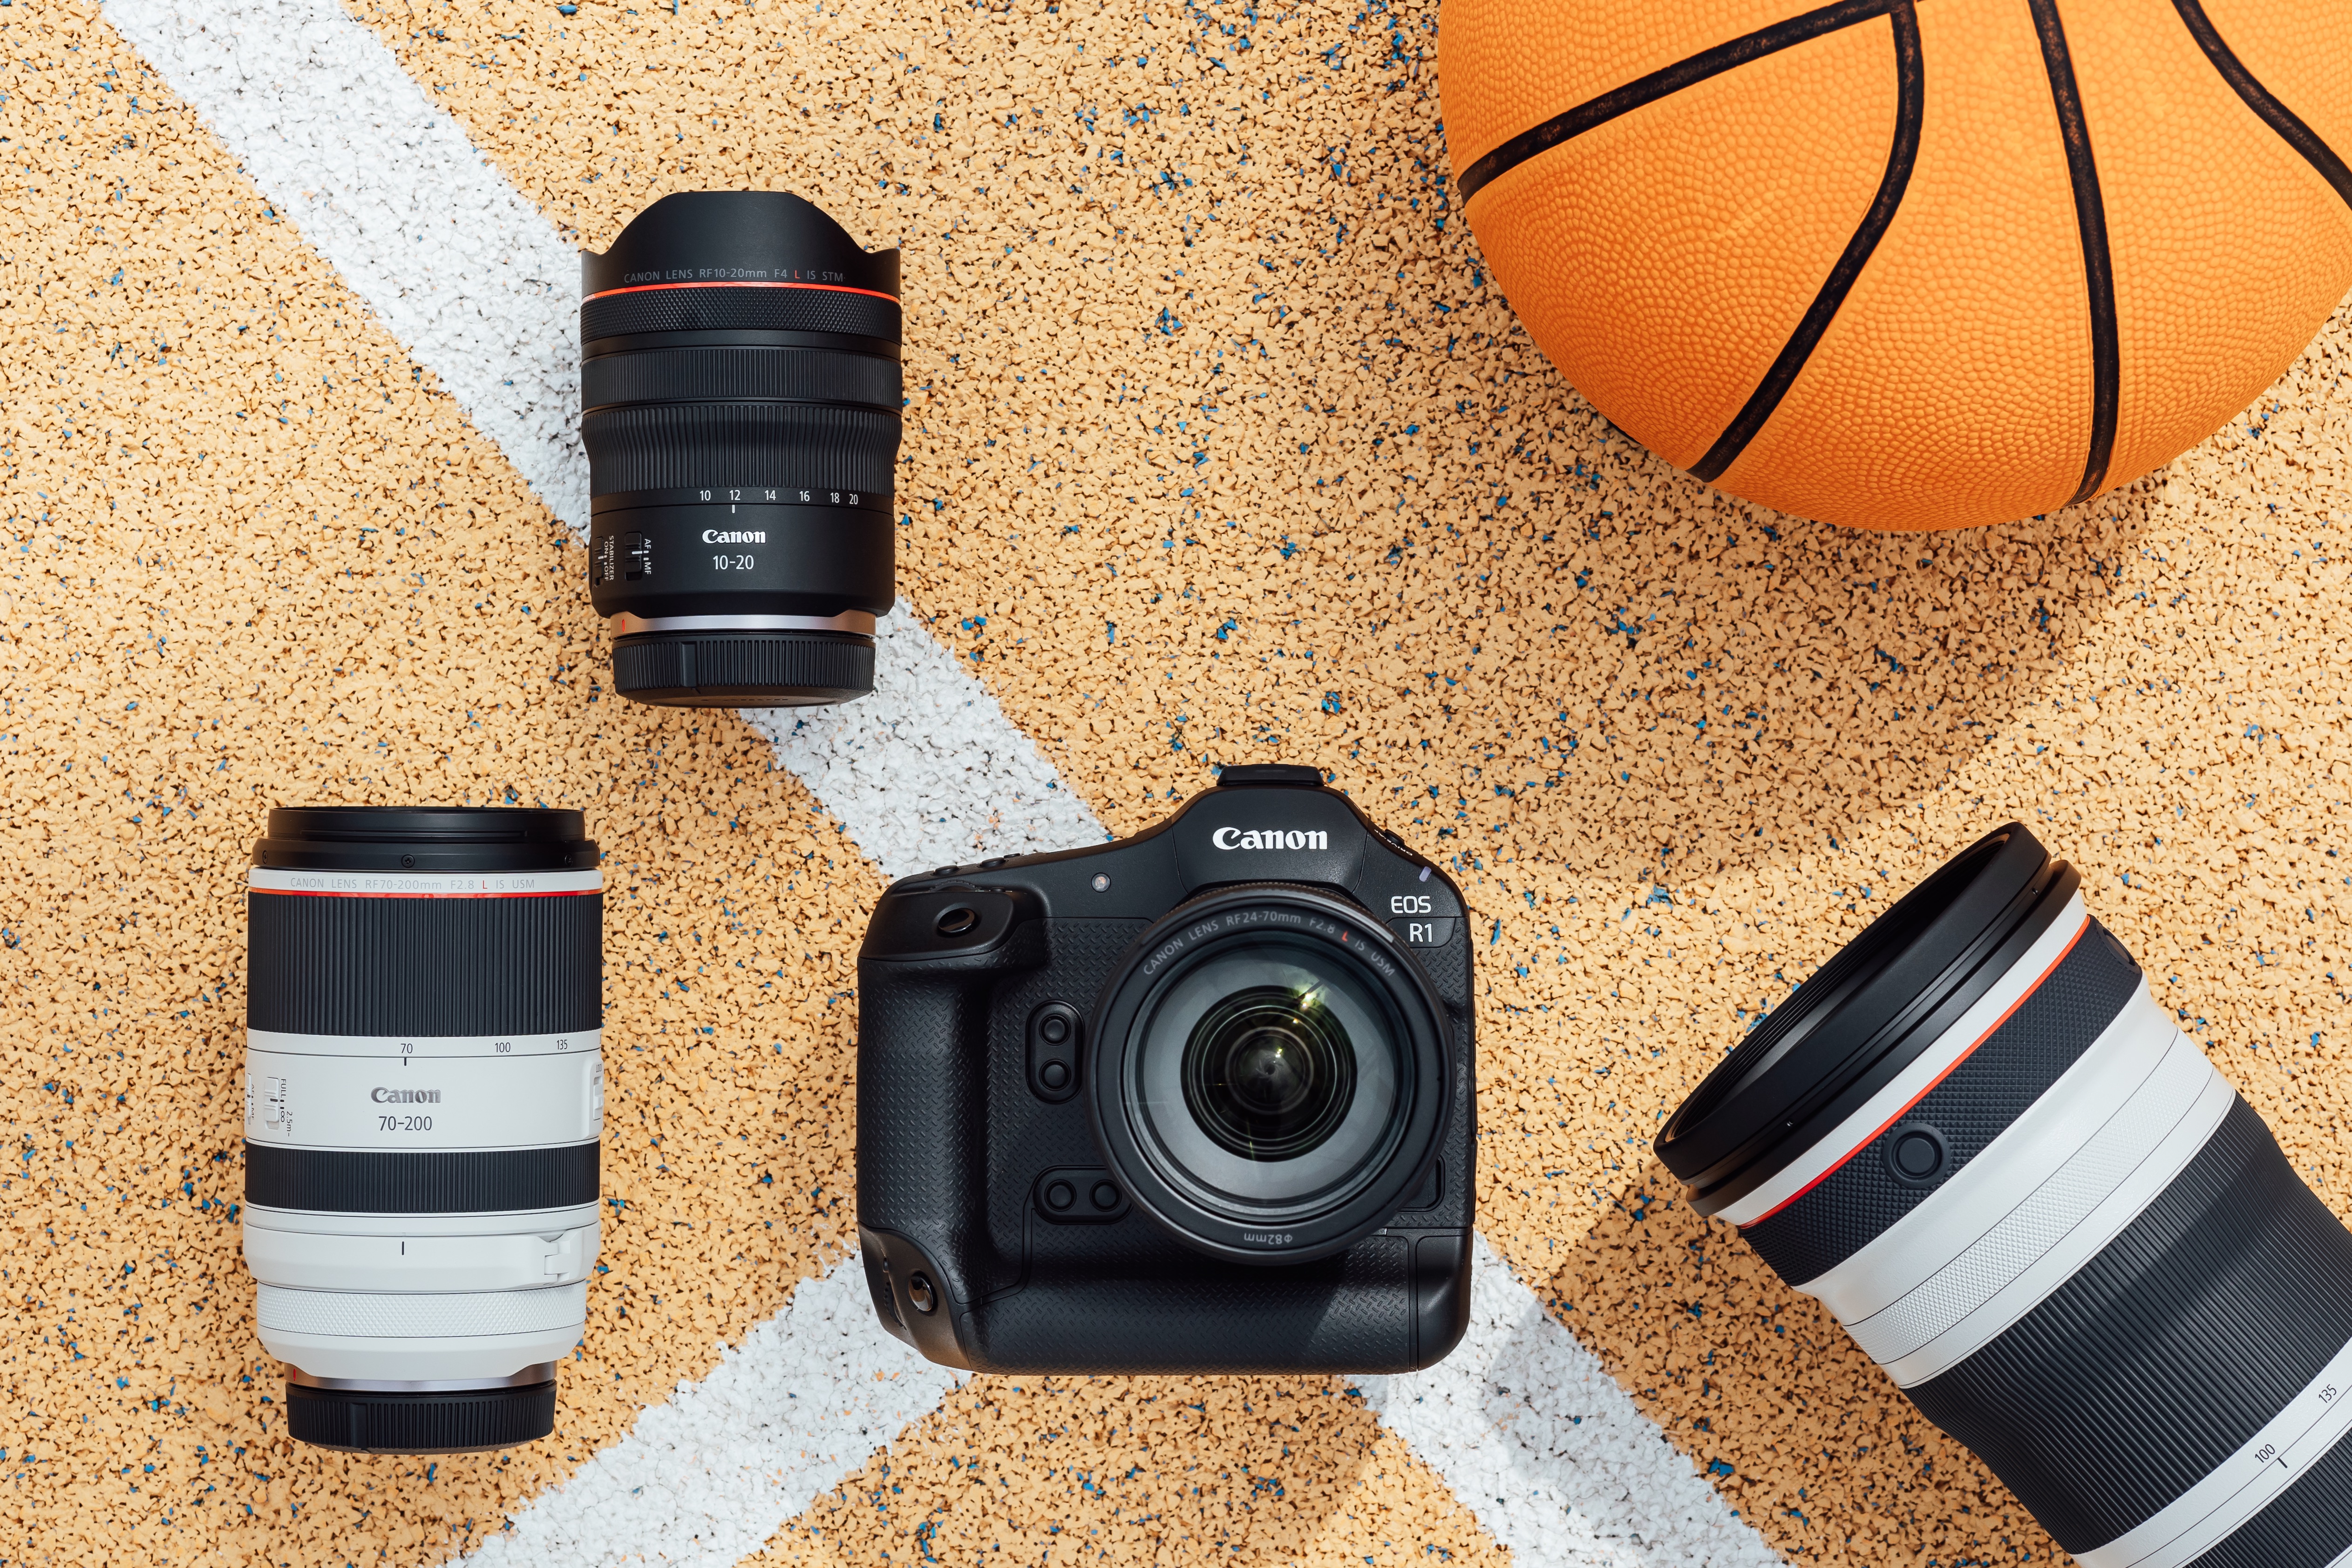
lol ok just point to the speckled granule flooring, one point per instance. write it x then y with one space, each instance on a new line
1220 448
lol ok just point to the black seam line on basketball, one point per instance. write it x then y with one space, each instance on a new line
2091 220
2258 97
1571 124
1902 154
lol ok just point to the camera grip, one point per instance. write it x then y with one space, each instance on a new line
922 1070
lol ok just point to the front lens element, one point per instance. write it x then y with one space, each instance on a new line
1270 1073
740 391
2035 1203
423 1099
1270 1077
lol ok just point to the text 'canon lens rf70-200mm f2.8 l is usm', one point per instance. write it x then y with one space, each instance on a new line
739 391
425 1090
1979 1140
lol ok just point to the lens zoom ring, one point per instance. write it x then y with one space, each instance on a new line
367 1181
456 1422
682 375
2168 1350
687 445
2062 1019
425 965
739 309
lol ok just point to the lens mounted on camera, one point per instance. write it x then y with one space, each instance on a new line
1269 1073
740 396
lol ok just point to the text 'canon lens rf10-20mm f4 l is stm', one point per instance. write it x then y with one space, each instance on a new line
739 390
2028 1196
425 1091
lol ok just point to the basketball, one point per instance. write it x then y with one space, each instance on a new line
1910 265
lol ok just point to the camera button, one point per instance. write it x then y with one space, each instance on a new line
920 1294
1053 1075
958 921
1060 1196
1054 1029
1106 1197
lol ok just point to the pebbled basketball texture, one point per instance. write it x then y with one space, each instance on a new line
1910 264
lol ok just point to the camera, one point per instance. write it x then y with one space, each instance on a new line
739 392
1977 1138
423 1100
1197 1101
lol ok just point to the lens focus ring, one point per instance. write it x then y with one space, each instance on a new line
723 374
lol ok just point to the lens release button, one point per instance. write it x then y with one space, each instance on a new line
1060 1196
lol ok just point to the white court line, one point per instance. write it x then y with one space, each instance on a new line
384 184
706 1478
1537 1439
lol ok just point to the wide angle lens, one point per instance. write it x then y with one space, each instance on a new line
424 1092
1980 1141
739 390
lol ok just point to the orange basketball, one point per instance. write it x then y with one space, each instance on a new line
1910 264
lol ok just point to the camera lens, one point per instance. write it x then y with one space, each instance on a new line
740 390
1270 1073
1980 1141
424 1093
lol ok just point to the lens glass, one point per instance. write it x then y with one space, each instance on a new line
1269 1076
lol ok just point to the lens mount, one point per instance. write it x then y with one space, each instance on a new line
1853 1026
1267 1073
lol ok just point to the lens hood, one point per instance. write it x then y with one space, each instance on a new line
1865 1016
486 839
1252 918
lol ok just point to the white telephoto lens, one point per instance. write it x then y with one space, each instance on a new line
425 1093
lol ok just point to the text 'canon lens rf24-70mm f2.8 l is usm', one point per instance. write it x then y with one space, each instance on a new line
2030 1197
425 1090
739 391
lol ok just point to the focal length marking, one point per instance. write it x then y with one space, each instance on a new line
426 1047
2241 1485
425 884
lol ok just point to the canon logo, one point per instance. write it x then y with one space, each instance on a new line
407 1096
1270 839
733 537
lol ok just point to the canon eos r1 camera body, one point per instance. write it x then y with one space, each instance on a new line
1197 1101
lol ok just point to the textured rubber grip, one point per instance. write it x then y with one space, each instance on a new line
2162 1355
632 312
719 374
473 1421
369 1181
717 445
2048 1032
379 967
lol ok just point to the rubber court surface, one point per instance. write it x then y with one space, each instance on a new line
1220 448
